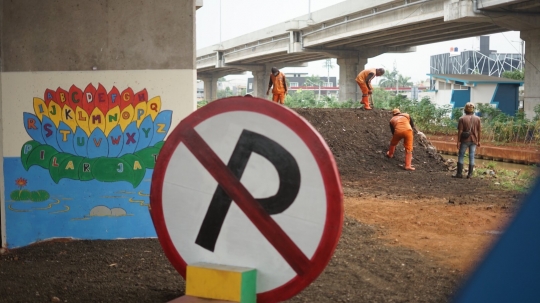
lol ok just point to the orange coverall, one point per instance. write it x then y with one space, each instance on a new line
279 88
364 81
401 126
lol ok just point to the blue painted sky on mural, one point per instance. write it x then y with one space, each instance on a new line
28 221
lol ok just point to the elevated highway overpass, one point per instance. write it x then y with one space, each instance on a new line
353 31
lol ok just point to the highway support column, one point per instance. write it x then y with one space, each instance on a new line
260 83
210 88
349 68
70 71
532 71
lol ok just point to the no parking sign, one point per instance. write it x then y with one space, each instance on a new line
247 182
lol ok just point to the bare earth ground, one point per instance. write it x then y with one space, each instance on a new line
407 236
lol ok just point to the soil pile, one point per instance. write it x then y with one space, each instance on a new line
359 140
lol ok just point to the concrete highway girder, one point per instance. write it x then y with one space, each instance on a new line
450 30
508 14
421 12
409 35
441 14
267 49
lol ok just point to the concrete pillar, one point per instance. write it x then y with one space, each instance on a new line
532 74
210 88
63 56
260 83
348 70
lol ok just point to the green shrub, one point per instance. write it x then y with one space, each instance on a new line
497 127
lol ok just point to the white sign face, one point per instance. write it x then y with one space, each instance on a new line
246 182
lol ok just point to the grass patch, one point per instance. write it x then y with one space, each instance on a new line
507 179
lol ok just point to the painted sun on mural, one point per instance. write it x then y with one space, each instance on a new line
95 134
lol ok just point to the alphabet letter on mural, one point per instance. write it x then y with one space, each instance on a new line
91 125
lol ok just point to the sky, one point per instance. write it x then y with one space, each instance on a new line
240 17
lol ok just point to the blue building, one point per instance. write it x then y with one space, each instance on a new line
457 89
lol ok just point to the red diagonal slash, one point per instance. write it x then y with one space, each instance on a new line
241 196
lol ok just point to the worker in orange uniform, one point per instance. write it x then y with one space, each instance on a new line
279 90
402 126
364 81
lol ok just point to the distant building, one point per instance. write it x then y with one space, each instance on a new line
236 86
416 92
457 90
200 90
300 81
484 61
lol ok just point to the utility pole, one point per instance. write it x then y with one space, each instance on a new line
309 20
522 54
397 78
328 62
219 23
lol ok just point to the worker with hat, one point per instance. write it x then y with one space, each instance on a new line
468 137
364 81
402 126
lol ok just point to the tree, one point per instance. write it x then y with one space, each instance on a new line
517 74
219 82
314 81
404 81
394 79
224 93
390 78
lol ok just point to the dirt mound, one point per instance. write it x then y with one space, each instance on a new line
359 140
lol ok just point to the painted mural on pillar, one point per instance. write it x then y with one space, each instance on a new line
85 172
95 134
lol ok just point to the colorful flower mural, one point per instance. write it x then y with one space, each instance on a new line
95 134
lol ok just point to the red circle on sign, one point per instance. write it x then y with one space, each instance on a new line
316 145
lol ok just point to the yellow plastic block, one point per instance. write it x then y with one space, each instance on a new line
190 299
222 282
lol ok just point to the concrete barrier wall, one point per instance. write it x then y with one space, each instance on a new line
522 156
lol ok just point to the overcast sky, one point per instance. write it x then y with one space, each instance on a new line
240 17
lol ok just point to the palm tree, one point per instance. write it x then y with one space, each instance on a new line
404 81
390 78
394 79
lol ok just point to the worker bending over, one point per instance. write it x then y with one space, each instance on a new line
402 126
364 81
279 90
